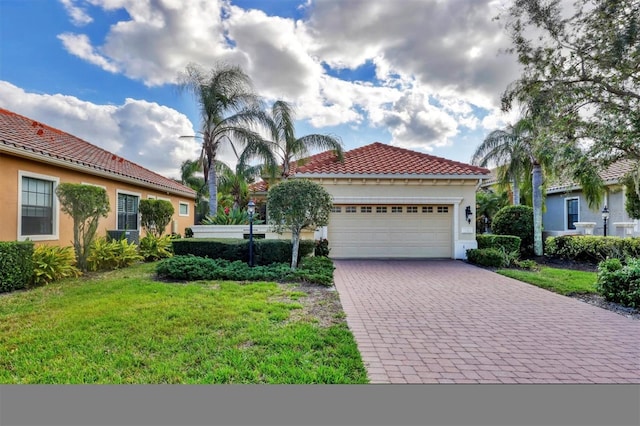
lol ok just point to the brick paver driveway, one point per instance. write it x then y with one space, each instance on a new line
444 321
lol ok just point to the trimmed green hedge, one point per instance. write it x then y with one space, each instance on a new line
591 248
518 221
265 252
317 270
509 243
16 265
492 257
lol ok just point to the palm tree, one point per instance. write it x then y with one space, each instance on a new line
229 110
236 183
506 148
519 151
285 146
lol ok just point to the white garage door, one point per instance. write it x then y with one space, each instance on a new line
387 231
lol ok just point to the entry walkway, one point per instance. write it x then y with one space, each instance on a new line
444 321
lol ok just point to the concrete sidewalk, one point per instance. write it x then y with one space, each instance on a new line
444 321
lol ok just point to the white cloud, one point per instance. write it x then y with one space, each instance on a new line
415 123
80 45
449 46
78 14
143 132
159 40
436 62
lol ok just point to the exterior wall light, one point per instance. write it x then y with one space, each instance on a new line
468 213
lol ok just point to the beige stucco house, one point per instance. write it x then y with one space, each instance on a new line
35 158
391 202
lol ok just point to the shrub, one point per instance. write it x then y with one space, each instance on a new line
265 252
322 248
510 243
317 270
188 232
229 217
491 257
528 264
193 268
155 215
518 221
16 265
153 248
114 254
620 283
52 263
591 248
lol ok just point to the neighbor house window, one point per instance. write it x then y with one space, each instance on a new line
365 209
336 209
128 211
572 213
381 209
183 209
396 209
38 206
350 209
427 209
412 209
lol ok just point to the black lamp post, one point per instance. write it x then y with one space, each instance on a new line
251 209
605 217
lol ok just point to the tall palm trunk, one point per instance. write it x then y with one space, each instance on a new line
213 188
516 192
537 208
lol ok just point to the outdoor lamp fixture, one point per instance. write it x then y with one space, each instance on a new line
605 217
251 208
468 214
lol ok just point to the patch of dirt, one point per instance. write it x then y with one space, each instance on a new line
319 304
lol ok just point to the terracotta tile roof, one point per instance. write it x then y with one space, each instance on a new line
611 175
381 159
19 133
260 186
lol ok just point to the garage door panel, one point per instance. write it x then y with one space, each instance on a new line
406 234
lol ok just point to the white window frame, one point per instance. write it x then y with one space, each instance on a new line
566 212
135 194
180 204
55 207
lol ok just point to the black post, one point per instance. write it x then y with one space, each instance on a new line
251 239
605 216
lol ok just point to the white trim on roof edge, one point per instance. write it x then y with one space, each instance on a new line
385 176
20 152
397 200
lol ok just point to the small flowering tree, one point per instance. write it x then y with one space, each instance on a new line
296 205
86 204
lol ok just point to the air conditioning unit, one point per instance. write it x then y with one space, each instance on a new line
132 236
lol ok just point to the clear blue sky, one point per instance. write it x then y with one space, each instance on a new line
425 75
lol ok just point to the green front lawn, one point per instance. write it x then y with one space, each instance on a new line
563 281
124 327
